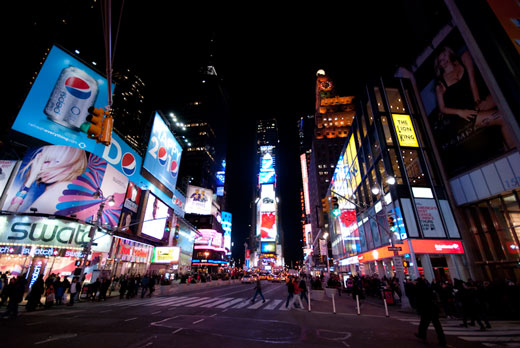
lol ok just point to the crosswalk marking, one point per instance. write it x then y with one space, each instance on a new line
230 303
283 308
213 304
198 303
273 304
185 302
174 301
242 304
257 305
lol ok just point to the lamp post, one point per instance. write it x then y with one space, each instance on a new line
397 260
95 226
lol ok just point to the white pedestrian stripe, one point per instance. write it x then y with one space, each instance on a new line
185 302
257 305
219 301
273 304
230 303
198 303
242 304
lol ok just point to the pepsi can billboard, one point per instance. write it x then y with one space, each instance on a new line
163 154
58 101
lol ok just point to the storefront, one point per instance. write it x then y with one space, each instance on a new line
37 244
129 257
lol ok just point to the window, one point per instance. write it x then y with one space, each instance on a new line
376 148
386 130
379 100
370 115
395 101
414 168
395 167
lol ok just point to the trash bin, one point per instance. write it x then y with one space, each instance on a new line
389 296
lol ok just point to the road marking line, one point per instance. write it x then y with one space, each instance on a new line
273 304
36 323
230 303
491 339
131 319
257 305
108 310
198 321
283 308
243 304
219 301
198 303
185 301
211 316
156 312
179 329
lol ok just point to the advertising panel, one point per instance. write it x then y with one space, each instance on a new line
29 229
268 247
267 174
63 180
129 218
198 200
209 238
267 198
226 226
155 217
163 155
431 223
268 226
58 101
466 122
6 169
404 130
305 182
179 201
166 254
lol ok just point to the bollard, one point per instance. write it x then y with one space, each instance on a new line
333 304
386 307
357 304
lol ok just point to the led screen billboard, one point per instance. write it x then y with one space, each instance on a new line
209 237
166 254
163 155
6 169
129 219
198 200
155 217
268 226
267 247
226 226
267 198
63 180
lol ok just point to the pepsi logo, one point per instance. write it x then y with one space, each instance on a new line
78 87
174 168
163 155
128 164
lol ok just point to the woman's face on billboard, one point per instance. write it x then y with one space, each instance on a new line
46 170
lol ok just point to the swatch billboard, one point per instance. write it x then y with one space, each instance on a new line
163 155
62 180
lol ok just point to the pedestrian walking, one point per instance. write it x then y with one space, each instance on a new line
35 294
303 290
151 286
73 290
14 297
123 285
49 296
428 309
296 294
3 291
290 292
103 289
59 290
145 282
258 291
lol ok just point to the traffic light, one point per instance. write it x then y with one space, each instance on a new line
325 204
335 207
106 130
168 226
177 228
94 125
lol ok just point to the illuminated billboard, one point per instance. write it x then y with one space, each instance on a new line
198 200
267 201
129 219
163 155
209 238
166 254
226 226
305 182
155 217
267 174
267 247
268 226
63 180
404 130
58 101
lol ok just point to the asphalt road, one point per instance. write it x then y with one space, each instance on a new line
224 317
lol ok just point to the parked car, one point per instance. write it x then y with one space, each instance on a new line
276 279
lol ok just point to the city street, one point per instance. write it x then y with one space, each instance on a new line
224 316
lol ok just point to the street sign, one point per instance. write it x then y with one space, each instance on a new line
395 248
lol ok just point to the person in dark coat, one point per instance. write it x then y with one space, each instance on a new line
428 309
35 295
123 284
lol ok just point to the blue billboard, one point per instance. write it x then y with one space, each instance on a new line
58 101
163 155
267 171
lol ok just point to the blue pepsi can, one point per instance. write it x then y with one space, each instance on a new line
74 92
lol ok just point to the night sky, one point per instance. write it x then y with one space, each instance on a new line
266 55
